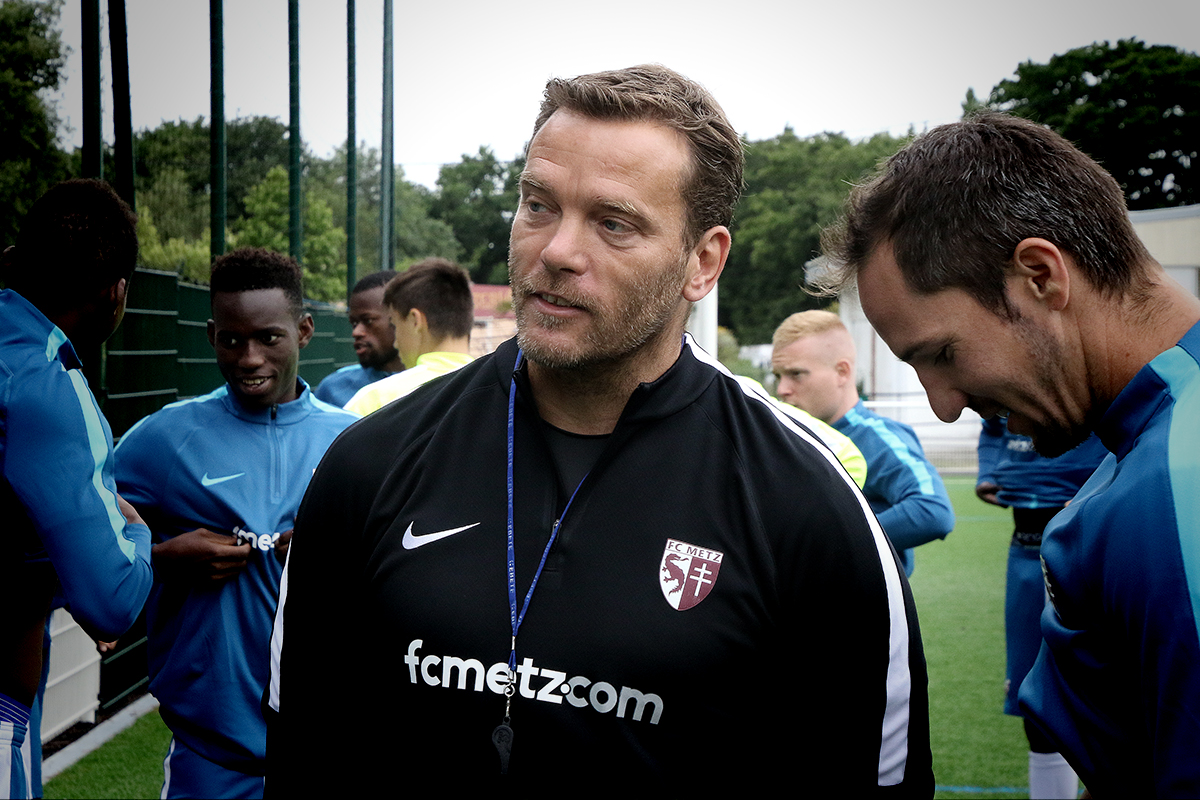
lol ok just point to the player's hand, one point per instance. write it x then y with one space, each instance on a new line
131 514
106 647
281 545
201 555
987 493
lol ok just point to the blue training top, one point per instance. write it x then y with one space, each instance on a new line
1029 480
209 462
904 489
1117 685
57 497
338 387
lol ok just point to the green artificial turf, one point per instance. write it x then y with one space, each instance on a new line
958 584
128 766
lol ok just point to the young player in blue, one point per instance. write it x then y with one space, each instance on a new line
1130 544
1013 475
813 357
1000 262
374 342
219 479
65 527
904 489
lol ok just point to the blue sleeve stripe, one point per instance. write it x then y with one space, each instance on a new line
1179 370
98 444
54 342
916 465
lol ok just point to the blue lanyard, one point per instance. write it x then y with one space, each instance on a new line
516 618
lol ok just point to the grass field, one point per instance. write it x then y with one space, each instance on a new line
978 752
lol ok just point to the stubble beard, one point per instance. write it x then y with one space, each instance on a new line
613 335
1056 438
376 359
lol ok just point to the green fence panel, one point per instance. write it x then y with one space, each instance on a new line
139 369
198 373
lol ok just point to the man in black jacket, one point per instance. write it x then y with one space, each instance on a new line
593 555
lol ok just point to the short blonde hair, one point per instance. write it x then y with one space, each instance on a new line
805 323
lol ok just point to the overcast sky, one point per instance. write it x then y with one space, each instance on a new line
470 73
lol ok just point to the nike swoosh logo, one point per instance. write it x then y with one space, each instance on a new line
207 481
412 542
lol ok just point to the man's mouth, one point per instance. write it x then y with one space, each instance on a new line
253 382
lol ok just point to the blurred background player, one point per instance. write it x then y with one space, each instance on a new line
431 310
373 342
813 360
65 527
1013 475
219 479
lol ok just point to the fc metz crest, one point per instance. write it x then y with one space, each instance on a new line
687 573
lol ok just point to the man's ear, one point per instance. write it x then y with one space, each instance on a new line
119 292
212 334
306 328
417 320
844 369
1040 272
706 262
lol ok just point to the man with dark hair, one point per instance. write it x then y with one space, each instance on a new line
432 312
65 526
219 479
1000 262
373 342
594 558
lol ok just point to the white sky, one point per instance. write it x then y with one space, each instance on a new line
470 73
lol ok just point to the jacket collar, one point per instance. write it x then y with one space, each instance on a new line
31 322
670 393
1139 402
280 414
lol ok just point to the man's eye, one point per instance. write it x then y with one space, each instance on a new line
535 207
270 338
944 356
616 226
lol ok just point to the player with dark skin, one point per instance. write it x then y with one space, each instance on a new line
374 336
86 325
87 318
257 337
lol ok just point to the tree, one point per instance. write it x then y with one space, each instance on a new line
794 188
253 145
189 258
32 57
1132 107
266 225
416 234
477 197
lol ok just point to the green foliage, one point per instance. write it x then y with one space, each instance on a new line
415 234
794 188
728 354
253 145
266 221
181 212
32 57
1132 107
266 225
189 258
477 198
